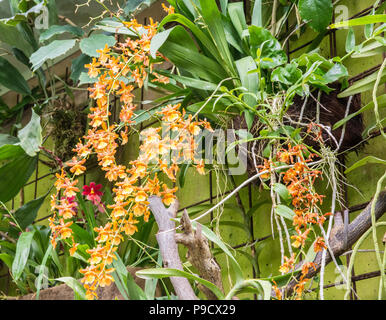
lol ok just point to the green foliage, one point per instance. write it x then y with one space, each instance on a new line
317 13
11 78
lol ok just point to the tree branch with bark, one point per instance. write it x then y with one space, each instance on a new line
199 254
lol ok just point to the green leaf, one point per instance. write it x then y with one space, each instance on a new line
96 42
120 276
370 19
77 66
237 16
42 267
53 50
85 78
211 236
7 259
288 75
182 175
27 213
133 5
285 212
12 79
381 104
250 81
115 27
195 30
337 72
350 40
160 273
82 235
144 115
23 16
14 176
193 83
212 18
13 37
318 13
9 147
79 290
370 50
31 135
363 85
364 161
283 192
55 30
158 40
22 252
257 17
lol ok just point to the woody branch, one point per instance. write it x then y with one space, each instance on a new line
340 240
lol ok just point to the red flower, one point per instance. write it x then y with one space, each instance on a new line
93 193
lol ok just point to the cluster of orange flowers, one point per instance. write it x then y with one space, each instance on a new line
118 73
299 180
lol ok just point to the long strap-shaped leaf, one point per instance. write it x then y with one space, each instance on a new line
212 18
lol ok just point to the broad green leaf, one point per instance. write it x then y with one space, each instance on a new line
79 290
22 252
77 66
56 29
381 104
337 72
232 36
53 50
82 235
27 213
31 135
14 176
363 85
7 259
370 19
289 74
250 81
90 45
158 40
283 192
160 273
237 16
12 79
9 147
285 212
85 78
364 161
257 18
13 37
318 13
